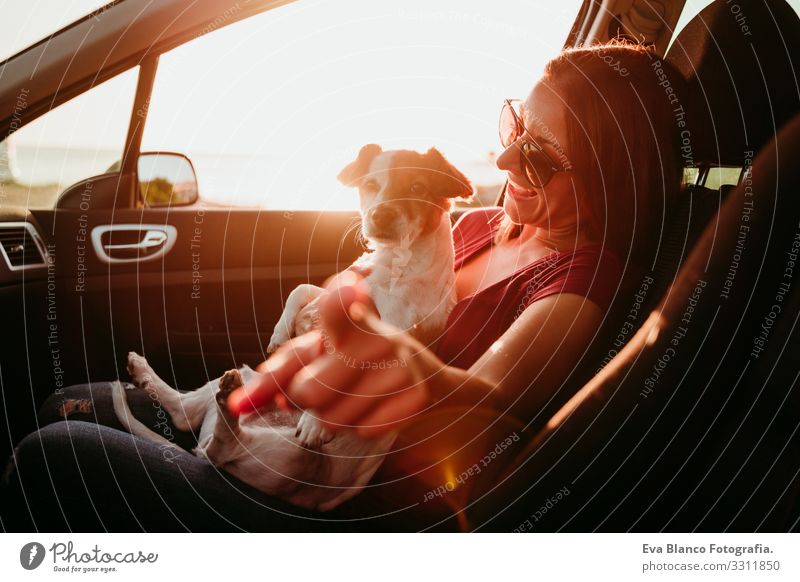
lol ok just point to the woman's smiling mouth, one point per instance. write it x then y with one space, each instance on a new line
519 193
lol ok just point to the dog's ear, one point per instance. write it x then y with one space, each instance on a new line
358 168
448 182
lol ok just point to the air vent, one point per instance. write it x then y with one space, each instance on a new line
21 246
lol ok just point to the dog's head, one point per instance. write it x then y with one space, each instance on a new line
403 193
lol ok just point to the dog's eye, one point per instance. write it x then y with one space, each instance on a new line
370 186
418 188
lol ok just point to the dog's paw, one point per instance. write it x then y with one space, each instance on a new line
311 433
279 337
230 381
140 371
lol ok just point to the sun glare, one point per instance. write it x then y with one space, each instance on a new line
269 109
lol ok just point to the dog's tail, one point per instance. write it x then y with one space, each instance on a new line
129 422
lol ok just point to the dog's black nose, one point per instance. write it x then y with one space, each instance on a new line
383 217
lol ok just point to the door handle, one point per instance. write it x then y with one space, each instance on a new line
157 240
151 239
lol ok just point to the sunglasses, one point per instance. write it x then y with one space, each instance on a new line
539 167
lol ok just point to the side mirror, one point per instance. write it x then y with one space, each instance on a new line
166 179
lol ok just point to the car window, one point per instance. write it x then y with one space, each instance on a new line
25 23
271 108
722 176
81 138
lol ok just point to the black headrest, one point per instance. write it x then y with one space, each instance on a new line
739 58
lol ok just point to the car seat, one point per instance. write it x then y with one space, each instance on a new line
684 429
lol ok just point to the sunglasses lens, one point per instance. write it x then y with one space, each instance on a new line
537 166
509 130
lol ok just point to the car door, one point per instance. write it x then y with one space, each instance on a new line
268 102
95 270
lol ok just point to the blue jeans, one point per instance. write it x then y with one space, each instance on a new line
85 474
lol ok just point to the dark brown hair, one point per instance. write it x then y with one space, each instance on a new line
624 123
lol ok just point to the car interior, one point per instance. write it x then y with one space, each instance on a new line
640 438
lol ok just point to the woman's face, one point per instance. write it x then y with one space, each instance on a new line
554 206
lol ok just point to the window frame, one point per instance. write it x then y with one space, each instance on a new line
51 91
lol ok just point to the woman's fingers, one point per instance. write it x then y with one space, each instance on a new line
367 394
277 372
392 412
329 370
349 276
349 326
335 375
322 381
345 289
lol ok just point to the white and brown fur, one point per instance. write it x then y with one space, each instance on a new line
405 199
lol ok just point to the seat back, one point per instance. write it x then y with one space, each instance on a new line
644 444
740 63
693 426
741 87
695 207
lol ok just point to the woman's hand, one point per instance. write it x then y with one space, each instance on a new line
355 372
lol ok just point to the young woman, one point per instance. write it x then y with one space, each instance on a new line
592 159
593 165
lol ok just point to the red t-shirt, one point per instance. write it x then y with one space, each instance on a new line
477 321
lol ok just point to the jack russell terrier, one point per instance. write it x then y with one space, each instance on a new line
405 199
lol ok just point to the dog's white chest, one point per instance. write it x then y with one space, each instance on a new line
419 306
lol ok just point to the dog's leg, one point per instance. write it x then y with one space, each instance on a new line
186 410
311 433
285 328
125 416
226 429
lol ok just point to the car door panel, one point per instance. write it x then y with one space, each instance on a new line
209 304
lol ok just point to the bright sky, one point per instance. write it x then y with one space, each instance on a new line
24 22
303 87
312 58
315 81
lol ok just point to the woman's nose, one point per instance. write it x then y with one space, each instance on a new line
508 161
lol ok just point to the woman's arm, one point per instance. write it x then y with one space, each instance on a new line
359 371
521 370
